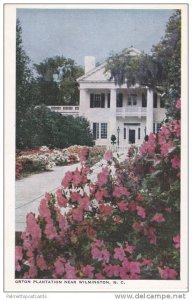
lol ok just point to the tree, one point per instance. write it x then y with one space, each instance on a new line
160 71
168 54
43 127
25 87
57 81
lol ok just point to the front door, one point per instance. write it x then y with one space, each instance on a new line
132 136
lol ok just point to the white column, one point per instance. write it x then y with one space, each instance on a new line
83 102
112 118
149 120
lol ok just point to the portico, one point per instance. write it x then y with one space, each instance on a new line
136 111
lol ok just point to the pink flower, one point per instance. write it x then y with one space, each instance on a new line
106 209
18 253
67 179
159 218
119 254
44 209
100 254
100 195
75 197
147 262
131 266
76 180
167 273
112 270
84 203
175 162
61 200
149 147
98 243
129 249
151 235
141 212
77 214
99 276
103 176
120 191
32 272
176 240
59 266
70 271
50 230
41 263
123 205
178 104
33 229
87 271
166 148
18 257
84 154
108 155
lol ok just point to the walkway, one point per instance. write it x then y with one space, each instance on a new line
30 190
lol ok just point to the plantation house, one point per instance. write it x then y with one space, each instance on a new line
128 113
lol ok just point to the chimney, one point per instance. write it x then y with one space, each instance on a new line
89 63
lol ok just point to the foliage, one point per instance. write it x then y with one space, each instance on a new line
160 71
44 159
168 53
57 81
122 225
43 127
25 86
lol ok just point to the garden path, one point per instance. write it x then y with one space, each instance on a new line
30 190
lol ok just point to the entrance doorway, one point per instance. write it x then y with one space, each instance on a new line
132 136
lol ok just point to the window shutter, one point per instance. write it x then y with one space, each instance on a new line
144 101
155 100
120 100
94 130
162 103
108 100
102 100
91 100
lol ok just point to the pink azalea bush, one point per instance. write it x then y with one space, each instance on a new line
122 226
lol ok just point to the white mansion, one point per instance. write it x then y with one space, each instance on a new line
128 113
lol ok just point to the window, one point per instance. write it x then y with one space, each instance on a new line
155 100
144 100
108 100
103 130
158 126
162 103
132 99
119 100
154 128
124 133
139 133
95 131
97 100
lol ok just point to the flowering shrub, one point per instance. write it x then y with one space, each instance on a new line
123 226
45 159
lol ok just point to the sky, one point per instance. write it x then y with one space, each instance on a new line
75 33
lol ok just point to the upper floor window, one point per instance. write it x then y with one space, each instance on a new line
144 100
97 100
155 100
132 99
162 103
119 101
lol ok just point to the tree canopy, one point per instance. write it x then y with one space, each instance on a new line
160 70
57 81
